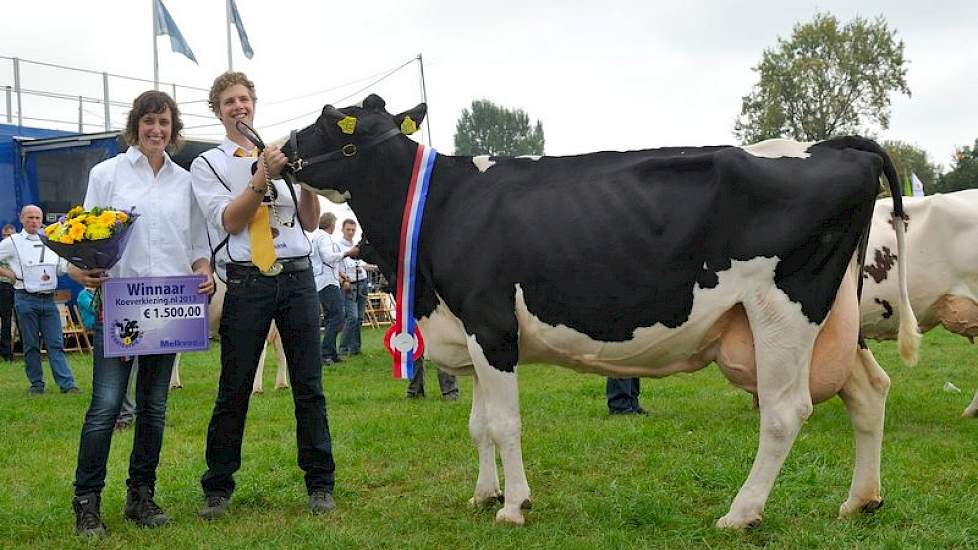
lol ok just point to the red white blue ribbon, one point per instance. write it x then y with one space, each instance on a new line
403 340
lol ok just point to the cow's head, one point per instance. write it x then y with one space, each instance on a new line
330 155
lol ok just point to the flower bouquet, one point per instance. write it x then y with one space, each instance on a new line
93 239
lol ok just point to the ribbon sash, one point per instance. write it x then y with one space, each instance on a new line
403 340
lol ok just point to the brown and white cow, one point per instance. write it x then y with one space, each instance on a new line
942 238
273 338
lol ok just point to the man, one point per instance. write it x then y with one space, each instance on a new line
447 383
264 256
354 290
35 270
328 258
6 306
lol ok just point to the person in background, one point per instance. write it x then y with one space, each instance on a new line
447 383
355 290
35 270
265 255
330 257
168 239
622 395
6 306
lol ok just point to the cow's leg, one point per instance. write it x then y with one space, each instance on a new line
502 414
865 397
783 343
972 410
175 373
281 373
487 486
256 386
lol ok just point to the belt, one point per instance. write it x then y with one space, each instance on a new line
44 294
288 266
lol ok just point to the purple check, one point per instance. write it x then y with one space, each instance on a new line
152 315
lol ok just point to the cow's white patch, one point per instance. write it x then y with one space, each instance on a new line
653 351
778 148
530 157
482 162
331 194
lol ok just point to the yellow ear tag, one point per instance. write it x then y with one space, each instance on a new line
408 126
347 124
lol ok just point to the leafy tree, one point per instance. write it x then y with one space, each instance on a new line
964 171
489 129
912 159
826 80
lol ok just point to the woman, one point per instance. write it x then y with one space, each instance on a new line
168 239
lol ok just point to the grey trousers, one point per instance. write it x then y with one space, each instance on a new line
447 382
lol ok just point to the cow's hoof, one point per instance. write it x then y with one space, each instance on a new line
510 517
526 505
970 412
730 522
281 387
852 507
489 500
176 387
257 392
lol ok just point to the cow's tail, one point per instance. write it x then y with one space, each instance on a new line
908 338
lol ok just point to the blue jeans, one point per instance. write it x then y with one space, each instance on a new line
38 316
331 300
356 302
251 303
110 378
622 394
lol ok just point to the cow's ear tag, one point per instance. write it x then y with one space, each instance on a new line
347 124
408 126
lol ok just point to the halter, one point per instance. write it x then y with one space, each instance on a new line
297 163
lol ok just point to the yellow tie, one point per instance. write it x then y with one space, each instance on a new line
260 230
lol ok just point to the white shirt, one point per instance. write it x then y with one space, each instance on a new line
214 191
12 255
169 234
327 259
353 268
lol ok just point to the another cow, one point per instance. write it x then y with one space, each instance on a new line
942 238
214 311
641 263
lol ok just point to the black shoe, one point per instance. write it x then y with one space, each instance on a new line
321 502
88 519
142 509
34 392
639 411
73 389
215 507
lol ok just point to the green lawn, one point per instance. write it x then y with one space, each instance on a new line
406 469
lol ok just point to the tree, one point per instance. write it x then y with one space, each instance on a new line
489 129
964 171
824 81
912 159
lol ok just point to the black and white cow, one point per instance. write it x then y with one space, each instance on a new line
642 263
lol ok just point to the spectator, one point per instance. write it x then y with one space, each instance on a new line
329 257
447 383
355 290
35 270
6 305
622 394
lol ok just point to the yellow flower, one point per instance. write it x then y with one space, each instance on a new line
74 212
122 216
97 231
51 229
76 230
106 218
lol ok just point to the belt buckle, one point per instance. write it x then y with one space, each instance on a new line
275 269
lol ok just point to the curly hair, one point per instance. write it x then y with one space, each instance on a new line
156 102
225 81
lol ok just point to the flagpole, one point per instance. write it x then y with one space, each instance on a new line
156 59
424 98
227 27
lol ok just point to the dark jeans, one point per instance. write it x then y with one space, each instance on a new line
331 300
356 302
6 319
110 378
622 394
447 383
251 302
37 316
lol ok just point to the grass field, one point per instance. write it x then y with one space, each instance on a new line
406 469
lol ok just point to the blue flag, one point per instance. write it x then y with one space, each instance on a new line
166 25
242 35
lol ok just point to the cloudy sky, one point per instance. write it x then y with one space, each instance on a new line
599 75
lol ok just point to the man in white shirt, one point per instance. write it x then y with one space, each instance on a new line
328 258
35 270
354 290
